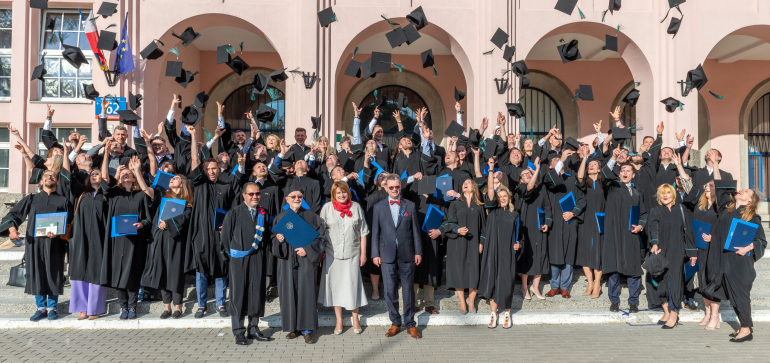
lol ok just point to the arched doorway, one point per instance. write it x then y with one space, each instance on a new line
386 119
542 113
758 135
242 100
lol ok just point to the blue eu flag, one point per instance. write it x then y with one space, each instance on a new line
124 62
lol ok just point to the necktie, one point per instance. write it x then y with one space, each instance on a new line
252 212
398 202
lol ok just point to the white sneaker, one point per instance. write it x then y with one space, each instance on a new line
493 321
507 320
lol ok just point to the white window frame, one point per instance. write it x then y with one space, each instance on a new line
40 146
7 146
6 53
57 54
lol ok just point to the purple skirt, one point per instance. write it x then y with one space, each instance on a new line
88 298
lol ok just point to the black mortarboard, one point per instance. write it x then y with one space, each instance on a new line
490 149
353 69
74 56
520 68
200 100
427 58
396 37
107 9
187 36
134 101
185 78
614 6
399 135
326 17
315 122
152 51
454 129
128 117
500 38
38 4
107 40
287 161
238 65
620 134
674 3
50 23
569 52
525 82
571 144
585 93
632 97
222 55
656 264
416 138
417 17
367 69
671 104
191 115
459 95
260 83
508 53
279 75
380 62
474 139
566 6
610 43
403 102
90 92
265 113
696 78
38 72
673 26
515 110
381 99
173 69
411 34
726 184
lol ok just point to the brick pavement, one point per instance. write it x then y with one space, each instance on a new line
530 343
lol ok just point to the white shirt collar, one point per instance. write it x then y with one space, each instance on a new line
710 169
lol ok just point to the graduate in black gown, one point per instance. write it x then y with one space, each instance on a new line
372 269
44 256
531 196
246 245
589 244
297 272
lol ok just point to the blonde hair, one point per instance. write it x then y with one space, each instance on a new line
703 202
57 163
750 210
504 189
665 187
476 193
277 146
340 185
329 149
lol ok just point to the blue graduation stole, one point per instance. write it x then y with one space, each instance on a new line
260 227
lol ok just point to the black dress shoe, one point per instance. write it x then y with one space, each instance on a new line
615 308
741 340
633 308
240 339
166 314
223 312
177 314
261 338
200 312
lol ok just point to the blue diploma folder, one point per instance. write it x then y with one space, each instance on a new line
124 225
433 219
531 165
219 218
567 204
162 179
50 219
443 185
295 230
689 270
633 218
379 169
170 208
699 228
600 222
540 218
304 205
486 169
741 234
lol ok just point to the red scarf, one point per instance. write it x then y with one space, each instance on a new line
344 209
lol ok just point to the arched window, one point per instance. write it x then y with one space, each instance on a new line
759 146
542 113
386 119
240 101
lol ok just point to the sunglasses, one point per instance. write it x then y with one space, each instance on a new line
294 196
395 187
252 194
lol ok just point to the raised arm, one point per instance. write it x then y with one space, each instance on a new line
136 167
501 124
491 179
688 147
106 160
20 141
396 115
150 153
65 159
535 174
356 131
683 177
581 174
476 166
194 158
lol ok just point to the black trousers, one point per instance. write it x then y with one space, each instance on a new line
169 296
238 325
127 298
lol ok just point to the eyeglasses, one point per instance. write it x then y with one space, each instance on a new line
395 187
294 196
252 194
49 176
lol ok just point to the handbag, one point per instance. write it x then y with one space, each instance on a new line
68 228
18 275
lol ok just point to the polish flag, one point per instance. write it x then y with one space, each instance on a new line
89 26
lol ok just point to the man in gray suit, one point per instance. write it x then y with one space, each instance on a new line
397 249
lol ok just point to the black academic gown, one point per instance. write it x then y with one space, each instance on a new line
589 244
412 165
247 275
462 252
297 284
562 237
371 200
44 256
86 247
311 191
620 251
429 271
534 251
710 259
124 256
498 261
166 250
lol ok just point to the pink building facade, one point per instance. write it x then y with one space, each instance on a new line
731 42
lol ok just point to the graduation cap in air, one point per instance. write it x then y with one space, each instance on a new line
315 122
90 92
396 37
152 51
585 93
201 99
38 72
188 36
620 134
107 9
185 78
508 53
515 110
417 17
191 115
128 117
427 58
454 129
614 6
134 101
174 69
238 65
569 52
632 97
38 4
671 104
223 56
474 139
520 68
411 34
74 56
367 69
403 102
673 26
499 38
525 82
279 75
381 99
260 83
326 17
490 149
265 113
50 23
566 6
571 144
610 43
287 161
459 95
696 78
380 62
107 41
353 69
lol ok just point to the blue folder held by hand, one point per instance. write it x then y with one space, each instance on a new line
741 234
600 222
690 270
170 208
699 228
531 165
295 230
433 219
567 204
443 185
219 218
633 218
124 225
162 179
486 169
379 169
540 218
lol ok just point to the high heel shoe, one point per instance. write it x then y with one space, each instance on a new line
671 327
704 321
532 291
589 290
719 321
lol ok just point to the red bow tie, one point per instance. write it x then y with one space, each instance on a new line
395 202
